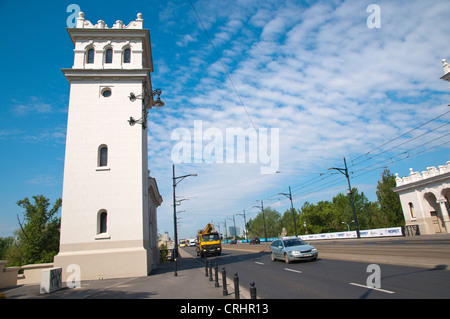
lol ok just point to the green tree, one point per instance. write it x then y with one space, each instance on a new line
38 236
343 213
389 200
5 243
367 212
317 217
287 222
272 218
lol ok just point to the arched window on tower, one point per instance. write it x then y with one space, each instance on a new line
90 56
103 155
108 56
127 55
102 222
411 209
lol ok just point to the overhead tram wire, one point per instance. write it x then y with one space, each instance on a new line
369 168
412 130
226 71
407 151
376 166
320 178
405 142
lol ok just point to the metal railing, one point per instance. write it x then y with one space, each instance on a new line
411 230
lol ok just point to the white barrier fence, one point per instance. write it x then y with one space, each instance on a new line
379 232
368 233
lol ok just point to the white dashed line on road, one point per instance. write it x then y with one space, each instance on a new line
293 270
377 289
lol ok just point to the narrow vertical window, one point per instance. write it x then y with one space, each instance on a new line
90 56
108 57
102 223
126 56
103 156
411 209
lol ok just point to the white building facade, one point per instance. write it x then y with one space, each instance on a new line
425 199
108 216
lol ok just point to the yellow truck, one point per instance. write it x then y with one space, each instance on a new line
208 242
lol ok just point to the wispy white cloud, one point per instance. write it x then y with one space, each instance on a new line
44 180
34 105
333 86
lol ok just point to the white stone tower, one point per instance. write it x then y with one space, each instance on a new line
108 217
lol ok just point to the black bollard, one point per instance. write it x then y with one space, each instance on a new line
175 267
252 291
236 286
216 275
206 267
224 282
210 272
174 256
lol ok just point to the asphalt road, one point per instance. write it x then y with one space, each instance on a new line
330 278
428 251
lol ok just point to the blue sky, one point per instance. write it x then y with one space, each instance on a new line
313 69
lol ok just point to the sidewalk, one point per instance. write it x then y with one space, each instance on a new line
190 283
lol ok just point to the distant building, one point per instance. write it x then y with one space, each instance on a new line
425 199
234 231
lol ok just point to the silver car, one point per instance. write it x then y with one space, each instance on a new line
292 249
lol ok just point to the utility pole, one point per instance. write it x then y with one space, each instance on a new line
175 232
234 223
344 171
289 195
174 184
226 233
245 223
264 218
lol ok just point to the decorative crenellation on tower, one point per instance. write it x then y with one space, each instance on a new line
417 176
91 50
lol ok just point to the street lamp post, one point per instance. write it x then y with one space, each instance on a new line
344 171
245 223
289 195
264 218
348 224
226 233
234 225
147 103
175 183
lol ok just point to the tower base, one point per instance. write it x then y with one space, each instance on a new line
105 264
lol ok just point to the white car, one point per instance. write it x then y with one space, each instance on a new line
292 249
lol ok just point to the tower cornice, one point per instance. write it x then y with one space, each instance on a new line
107 74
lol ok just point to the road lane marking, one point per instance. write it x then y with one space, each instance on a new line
377 289
293 270
257 262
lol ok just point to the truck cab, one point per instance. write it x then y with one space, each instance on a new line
208 243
